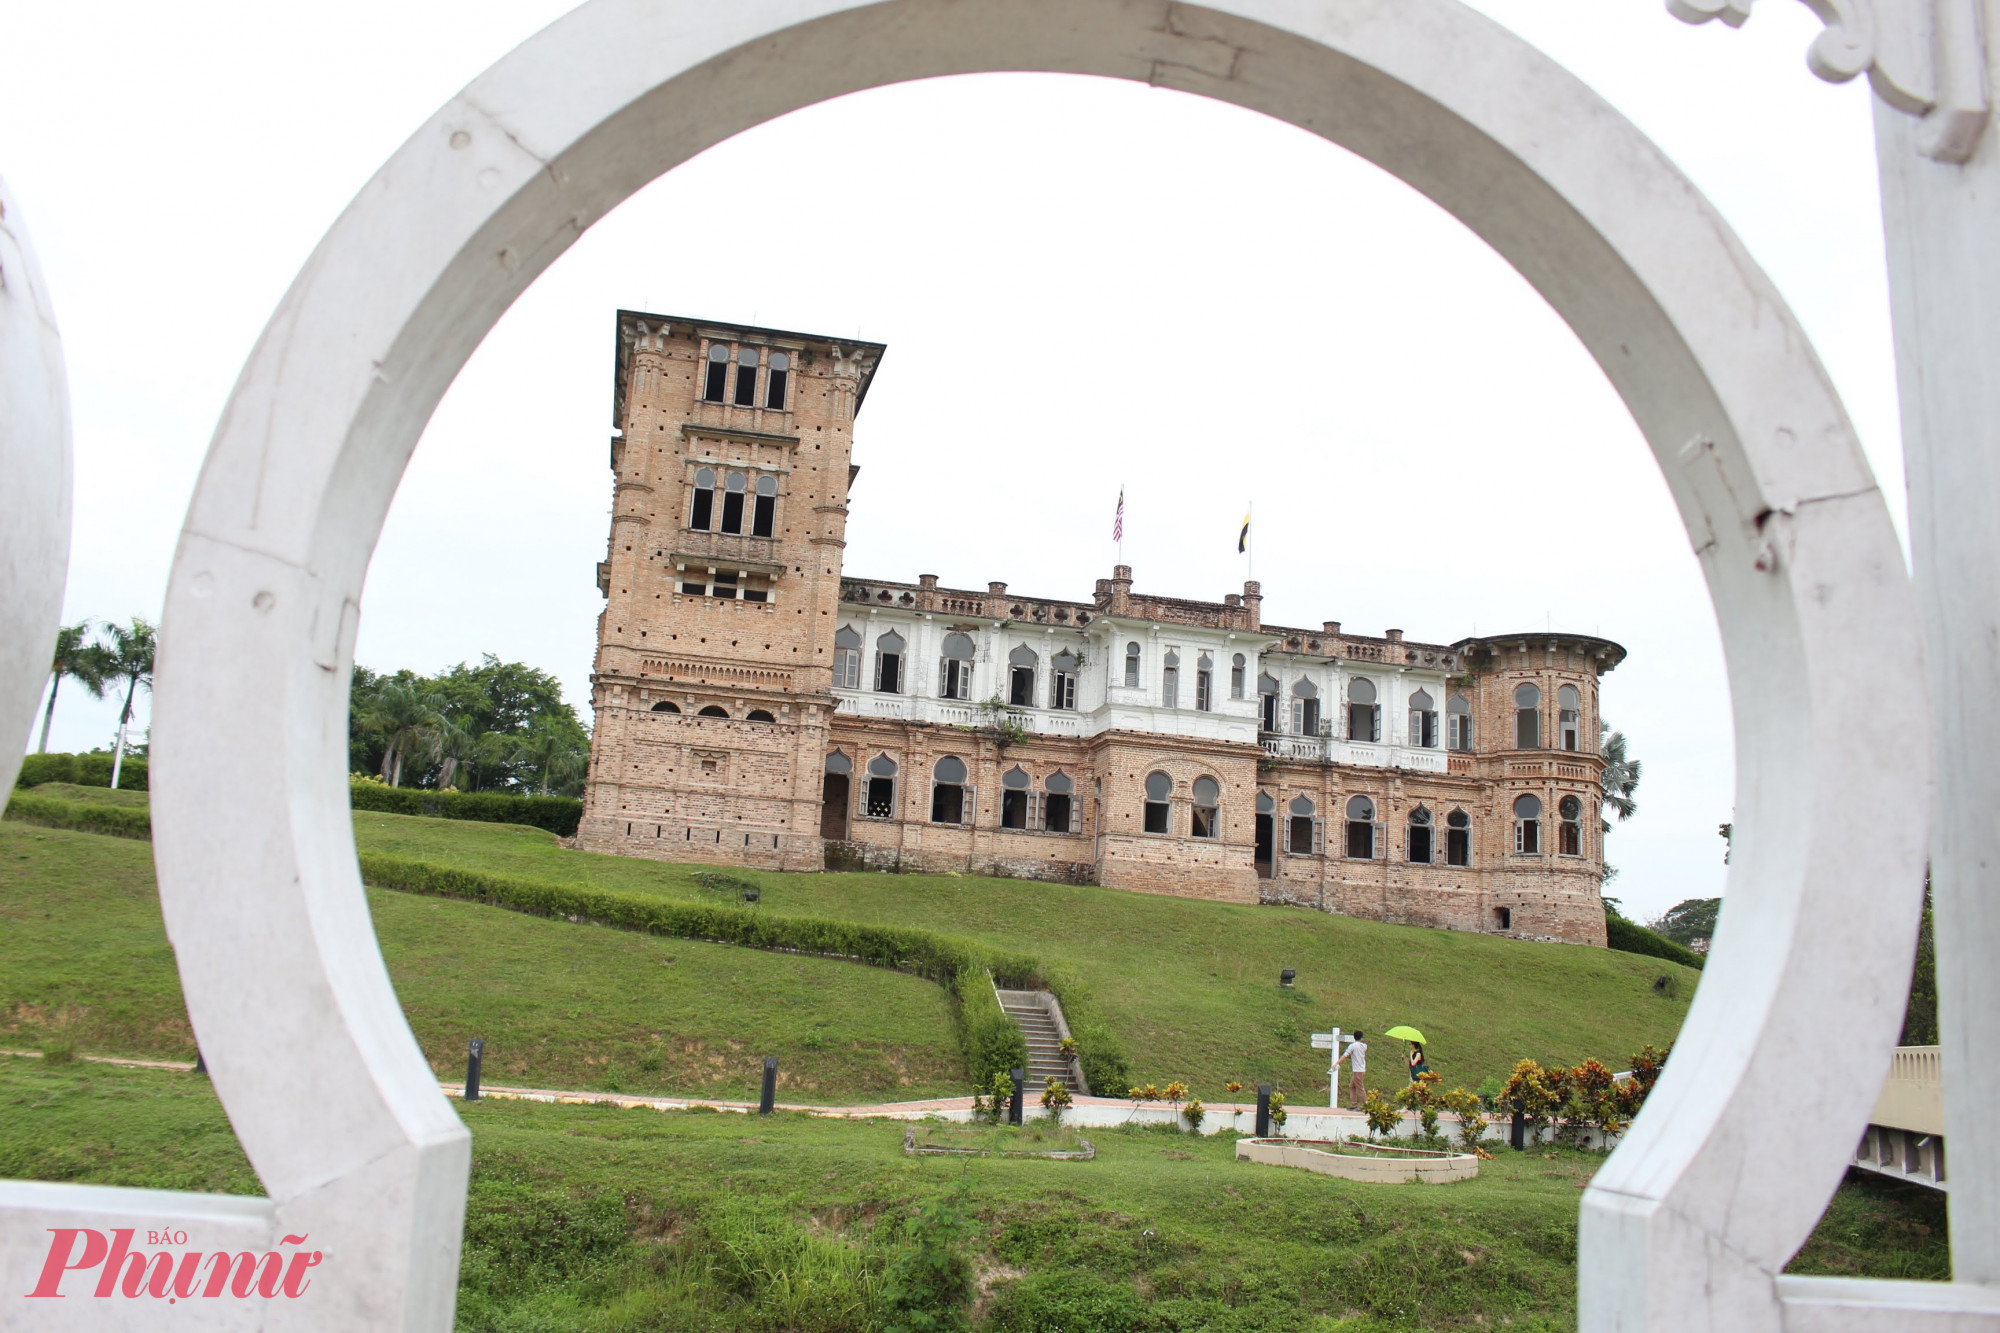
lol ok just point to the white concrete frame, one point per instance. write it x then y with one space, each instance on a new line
1687 1226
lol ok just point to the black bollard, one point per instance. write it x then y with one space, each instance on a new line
1020 1095
472 1059
1263 1110
200 1062
770 1096
1517 1138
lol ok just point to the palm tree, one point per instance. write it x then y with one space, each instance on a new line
127 654
1621 777
79 659
552 752
459 747
412 724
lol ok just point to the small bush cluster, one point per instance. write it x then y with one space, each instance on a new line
1421 1096
1584 1099
1631 937
118 821
558 814
85 770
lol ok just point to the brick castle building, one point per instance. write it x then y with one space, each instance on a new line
755 705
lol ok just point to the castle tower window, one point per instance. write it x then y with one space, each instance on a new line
948 803
701 517
1058 804
834 796
1304 833
1159 789
715 386
1503 918
1423 721
1418 842
846 659
756 587
881 795
1132 666
1015 798
774 380
758 715
732 502
1458 722
1062 681
694 582
1237 668
1364 715
1204 683
1305 707
746 377
1267 701
955 669
1528 825
1361 828
1569 708
1207 808
1170 680
1021 677
713 710
725 583
1458 839
889 663
666 706
1569 831
1527 716
764 522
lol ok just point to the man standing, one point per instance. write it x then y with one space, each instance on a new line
1356 1058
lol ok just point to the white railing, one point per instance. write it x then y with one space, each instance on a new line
1310 749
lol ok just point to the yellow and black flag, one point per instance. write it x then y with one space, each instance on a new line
1243 537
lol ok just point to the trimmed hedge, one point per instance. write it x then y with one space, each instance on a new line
119 821
558 814
993 1042
1630 937
85 770
1105 1072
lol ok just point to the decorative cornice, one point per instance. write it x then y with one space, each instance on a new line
1922 57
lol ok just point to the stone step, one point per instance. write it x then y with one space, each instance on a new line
1038 1027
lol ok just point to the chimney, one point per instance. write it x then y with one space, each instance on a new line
1331 628
1395 636
1103 594
1121 590
1253 604
996 590
928 582
1232 599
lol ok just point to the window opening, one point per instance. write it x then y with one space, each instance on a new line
1305 707
702 516
955 668
756 588
732 502
1528 825
1204 683
1503 918
1238 667
1569 832
1014 799
1062 681
1159 787
718 373
764 521
1059 803
774 380
1021 676
1302 829
714 710
1569 710
1423 721
1364 715
1132 665
1420 836
1361 828
1458 839
1207 808
881 788
1527 717
724 583
1267 702
1458 722
838 762
846 659
889 663
746 377
948 791
759 715
666 706
1170 680
694 582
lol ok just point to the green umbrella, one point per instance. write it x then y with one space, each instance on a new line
1406 1034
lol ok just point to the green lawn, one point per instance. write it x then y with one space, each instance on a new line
1190 987
597 1219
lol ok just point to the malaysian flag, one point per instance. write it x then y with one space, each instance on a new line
1118 523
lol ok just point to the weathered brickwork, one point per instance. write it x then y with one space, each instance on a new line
755 706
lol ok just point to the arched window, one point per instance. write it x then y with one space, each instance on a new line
713 710
889 663
1305 707
666 706
1021 676
1527 716
846 658
1015 799
1204 683
948 792
1207 808
881 791
1170 680
715 388
733 487
1419 840
1458 722
1062 680
1361 828
1059 803
1423 721
1159 789
955 668
701 515
746 377
1364 715
1458 839
1238 668
764 520
1303 831
838 763
1569 831
774 380
759 715
1528 825
1267 702
1569 713
1132 665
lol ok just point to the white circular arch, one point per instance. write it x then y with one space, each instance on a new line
1693 1217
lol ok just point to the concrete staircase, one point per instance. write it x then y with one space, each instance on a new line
1040 1019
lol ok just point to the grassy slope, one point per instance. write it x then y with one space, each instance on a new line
630 1219
1191 986
559 1005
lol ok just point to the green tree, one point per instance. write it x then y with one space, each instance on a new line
1620 779
554 754
409 719
127 654
79 659
1689 923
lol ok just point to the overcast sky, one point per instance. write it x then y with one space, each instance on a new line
1083 284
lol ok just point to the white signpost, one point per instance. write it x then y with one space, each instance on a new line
1330 1041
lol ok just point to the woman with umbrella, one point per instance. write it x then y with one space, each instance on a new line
1418 1066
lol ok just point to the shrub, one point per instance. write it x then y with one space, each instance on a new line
558 814
1490 1091
1174 1094
1421 1096
1105 1069
993 1042
1471 1113
1630 937
1537 1093
1194 1113
1069 1298
1278 1112
118 821
86 770
928 1282
1380 1113
1594 1103
59 1051
1056 1098
1067 1046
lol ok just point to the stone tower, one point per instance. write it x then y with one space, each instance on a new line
711 685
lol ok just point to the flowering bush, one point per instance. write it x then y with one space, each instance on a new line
1381 1114
1194 1112
1422 1097
1537 1093
1176 1093
1232 1087
1471 1113
1278 1109
1068 1047
1056 1098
